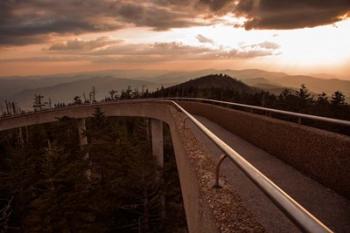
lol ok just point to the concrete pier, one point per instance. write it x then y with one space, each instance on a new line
157 141
83 141
82 129
20 136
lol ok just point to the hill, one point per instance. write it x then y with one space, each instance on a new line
271 81
220 81
211 83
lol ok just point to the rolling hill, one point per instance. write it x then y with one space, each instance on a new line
214 81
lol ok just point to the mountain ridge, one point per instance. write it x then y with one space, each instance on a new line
65 92
17 88
218 81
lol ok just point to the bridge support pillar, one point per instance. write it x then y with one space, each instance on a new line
158 153
20 136
83 141
157 141
82 128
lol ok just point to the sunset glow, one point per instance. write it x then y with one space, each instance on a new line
215 38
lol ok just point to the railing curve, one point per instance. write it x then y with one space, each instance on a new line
270 110
291 208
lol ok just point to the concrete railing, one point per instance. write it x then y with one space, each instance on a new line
297 115
294 211
320 154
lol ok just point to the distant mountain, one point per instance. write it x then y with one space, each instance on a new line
316 85
65 86
254 77
11 85
214 81
271 81
282 80
65 92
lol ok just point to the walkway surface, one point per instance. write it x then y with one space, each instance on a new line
331 208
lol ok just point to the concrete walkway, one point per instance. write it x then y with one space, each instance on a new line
331 208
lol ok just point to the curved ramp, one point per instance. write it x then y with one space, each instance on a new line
208 210
328 206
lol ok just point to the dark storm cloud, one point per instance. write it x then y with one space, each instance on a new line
216 5
158 18
32 21
36 21
22 40
287 14
27 20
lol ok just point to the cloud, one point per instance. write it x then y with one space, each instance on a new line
217 5
104 50
203 39
268 45
263 45
154 52
45 58
172 49
34 20
286 14
83 45
235 53
158 18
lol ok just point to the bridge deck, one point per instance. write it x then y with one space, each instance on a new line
325 204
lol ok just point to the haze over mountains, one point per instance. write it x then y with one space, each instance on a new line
65 92
64 87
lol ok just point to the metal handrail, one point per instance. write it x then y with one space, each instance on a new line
96 104
252 107
292 209
271 110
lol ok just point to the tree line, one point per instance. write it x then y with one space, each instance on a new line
300 100
49 183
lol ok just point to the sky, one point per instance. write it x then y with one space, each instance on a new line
300 37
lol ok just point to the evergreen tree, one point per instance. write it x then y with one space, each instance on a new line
305 98
338 99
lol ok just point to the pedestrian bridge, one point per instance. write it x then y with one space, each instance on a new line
240 171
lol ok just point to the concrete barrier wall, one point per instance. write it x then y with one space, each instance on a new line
198 214
322 155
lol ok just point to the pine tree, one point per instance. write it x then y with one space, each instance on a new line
338 99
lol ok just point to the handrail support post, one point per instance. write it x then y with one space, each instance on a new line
184 122
217 171
299 121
